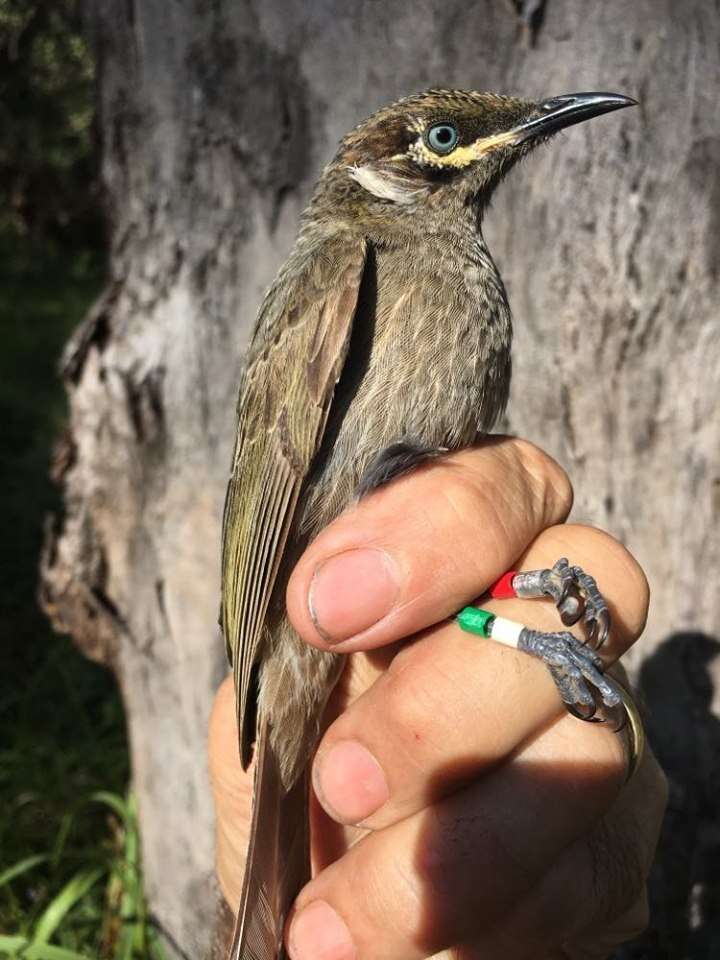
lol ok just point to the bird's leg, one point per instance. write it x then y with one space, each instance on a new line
575 593
575 667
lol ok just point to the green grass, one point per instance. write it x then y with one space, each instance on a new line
100 910
70 880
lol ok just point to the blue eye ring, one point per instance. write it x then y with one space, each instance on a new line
442 137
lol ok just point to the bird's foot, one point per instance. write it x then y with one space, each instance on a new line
576 667
575 593
576 670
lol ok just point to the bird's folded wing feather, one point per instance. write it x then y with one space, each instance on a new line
295 360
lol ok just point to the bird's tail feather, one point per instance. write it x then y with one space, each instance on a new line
278 861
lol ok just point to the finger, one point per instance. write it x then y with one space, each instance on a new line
452 706
542 926
593 897
618 858
232 794
441 876
416 550
602 943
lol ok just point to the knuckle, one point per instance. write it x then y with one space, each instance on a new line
618 873
392 894
415 694
474 505
460 492
405 904
612 931
616 557
549 481
511 471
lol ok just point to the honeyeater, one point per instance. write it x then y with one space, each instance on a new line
384 340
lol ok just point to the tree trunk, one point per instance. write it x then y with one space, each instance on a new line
216 120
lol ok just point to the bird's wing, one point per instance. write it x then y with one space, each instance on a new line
295 361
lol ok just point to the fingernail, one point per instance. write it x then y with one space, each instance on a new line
350 592
349 782
317 932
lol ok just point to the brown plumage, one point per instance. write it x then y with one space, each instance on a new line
388 325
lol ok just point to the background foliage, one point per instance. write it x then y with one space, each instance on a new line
70 883
48 157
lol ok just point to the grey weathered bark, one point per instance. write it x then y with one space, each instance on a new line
215 122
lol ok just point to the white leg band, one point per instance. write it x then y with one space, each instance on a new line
506 631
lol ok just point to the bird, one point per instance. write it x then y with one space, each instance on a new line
383 342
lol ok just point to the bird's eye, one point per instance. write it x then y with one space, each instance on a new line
442 137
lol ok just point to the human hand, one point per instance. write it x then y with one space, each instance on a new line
493 823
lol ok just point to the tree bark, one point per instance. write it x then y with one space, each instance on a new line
216 120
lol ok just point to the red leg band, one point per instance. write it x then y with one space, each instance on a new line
502 589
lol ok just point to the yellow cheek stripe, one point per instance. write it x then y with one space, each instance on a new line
491 143
461 156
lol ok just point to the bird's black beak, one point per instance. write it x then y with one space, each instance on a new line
560 112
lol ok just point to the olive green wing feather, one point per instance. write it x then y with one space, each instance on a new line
295 361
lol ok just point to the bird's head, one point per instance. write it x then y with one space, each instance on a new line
444 147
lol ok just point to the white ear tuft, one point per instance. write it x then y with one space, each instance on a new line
386 185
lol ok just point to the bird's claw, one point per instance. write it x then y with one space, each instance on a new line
576 670
575 594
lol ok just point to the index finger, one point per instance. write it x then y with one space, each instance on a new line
415 551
